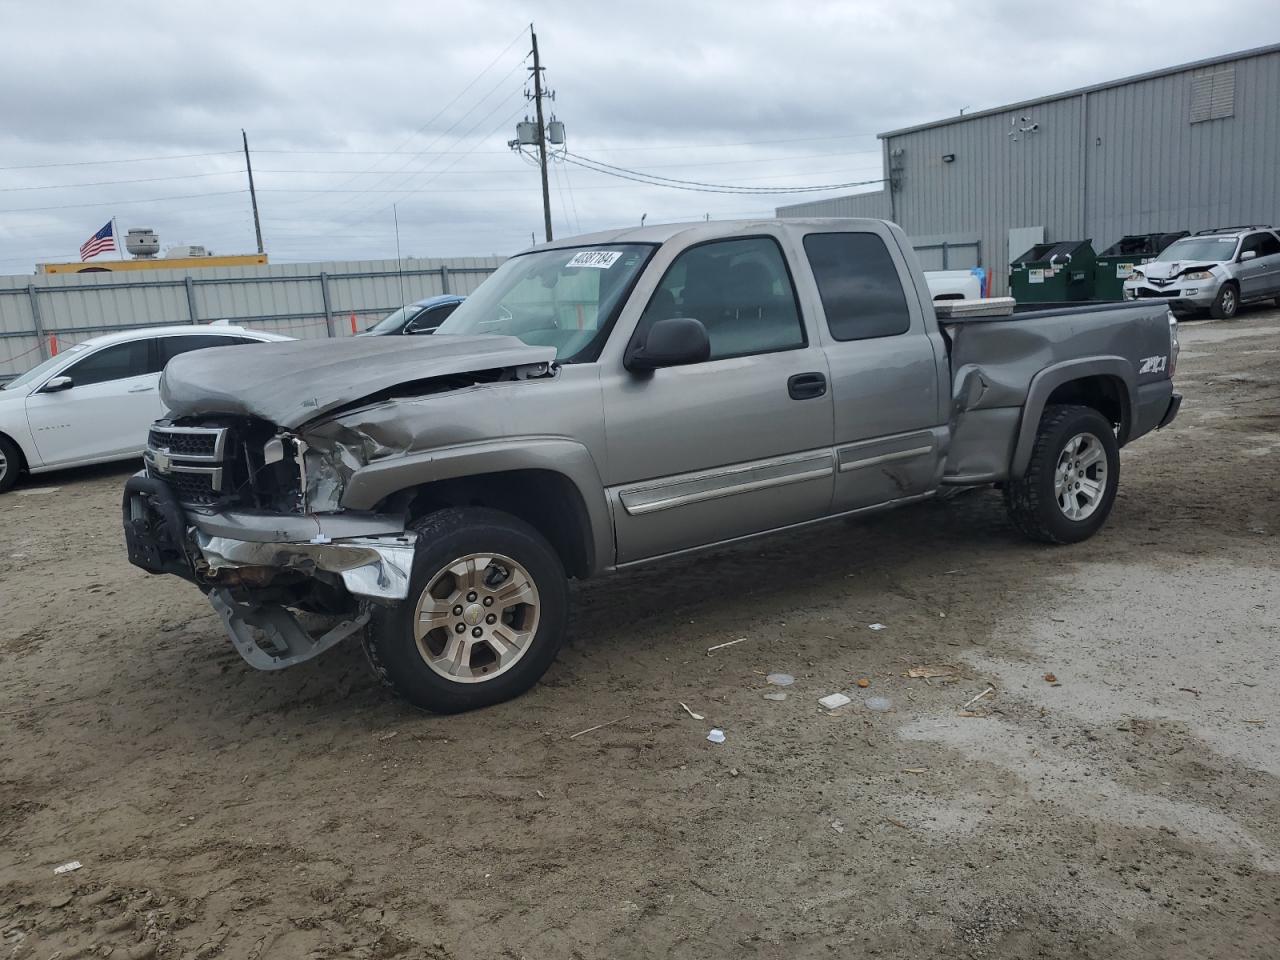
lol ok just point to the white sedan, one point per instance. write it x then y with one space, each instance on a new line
93 402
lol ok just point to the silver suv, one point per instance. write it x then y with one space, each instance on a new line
1215 270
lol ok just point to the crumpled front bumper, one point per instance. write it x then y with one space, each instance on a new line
372 553
229 554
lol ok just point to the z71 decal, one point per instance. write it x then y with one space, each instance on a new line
1153 365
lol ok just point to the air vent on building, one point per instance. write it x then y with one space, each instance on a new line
1213 94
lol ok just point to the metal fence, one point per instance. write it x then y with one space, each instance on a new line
43 314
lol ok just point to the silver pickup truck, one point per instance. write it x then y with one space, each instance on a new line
607 401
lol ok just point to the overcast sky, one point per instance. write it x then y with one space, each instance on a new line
353 107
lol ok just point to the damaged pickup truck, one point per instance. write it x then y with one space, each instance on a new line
607 401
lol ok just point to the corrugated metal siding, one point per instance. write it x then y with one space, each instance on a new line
1120 160
282 298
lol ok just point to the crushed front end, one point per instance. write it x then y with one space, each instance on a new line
250 514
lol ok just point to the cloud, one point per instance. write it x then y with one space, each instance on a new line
757 94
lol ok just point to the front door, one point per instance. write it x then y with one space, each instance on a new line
733 446
105 413
886 373
1260 275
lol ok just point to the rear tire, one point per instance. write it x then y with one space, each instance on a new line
485 617
1069 487
1226 303
11 464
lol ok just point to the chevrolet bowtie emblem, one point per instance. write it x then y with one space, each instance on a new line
161 460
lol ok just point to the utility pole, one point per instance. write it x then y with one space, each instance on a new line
542 139
253 196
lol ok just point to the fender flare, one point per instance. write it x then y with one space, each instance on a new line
570 459
1052 377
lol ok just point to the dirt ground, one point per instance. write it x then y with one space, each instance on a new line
1126 805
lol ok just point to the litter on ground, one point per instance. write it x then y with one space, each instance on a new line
781 679
879 704
716 736
68 867
696 716
876 626
833 700
775 696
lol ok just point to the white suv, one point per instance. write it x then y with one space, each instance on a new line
1215 270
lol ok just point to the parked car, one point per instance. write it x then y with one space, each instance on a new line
93 402
608 401
422 316
1214 270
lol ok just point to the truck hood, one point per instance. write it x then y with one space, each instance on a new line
1168 269
293 382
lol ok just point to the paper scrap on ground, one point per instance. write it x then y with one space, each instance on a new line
696 716
781 679
68 867
833 700
775 696
716 736
876 626
721 646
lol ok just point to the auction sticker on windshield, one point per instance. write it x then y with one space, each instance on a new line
599 259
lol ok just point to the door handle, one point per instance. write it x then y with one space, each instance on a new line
144 389
807 386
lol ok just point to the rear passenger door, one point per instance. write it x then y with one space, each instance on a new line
1260 277
735 445
885 380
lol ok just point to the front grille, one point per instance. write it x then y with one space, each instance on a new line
189 459
193 488
184 443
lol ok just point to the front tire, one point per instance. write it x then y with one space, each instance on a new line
1069 487
485 617
1226 303
10 464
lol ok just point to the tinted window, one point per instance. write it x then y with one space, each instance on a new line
430 319
170 347
859 285
1263 244
118 362
741 292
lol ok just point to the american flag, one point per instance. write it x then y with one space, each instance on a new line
100 242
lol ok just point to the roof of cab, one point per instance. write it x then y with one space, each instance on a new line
696 230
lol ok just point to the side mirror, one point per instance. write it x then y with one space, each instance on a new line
673 342
1248 255
58 384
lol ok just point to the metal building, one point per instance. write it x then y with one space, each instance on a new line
1187 147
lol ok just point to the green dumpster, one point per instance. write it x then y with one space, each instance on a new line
1053 273
1115 263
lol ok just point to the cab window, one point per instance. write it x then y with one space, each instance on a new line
117 362
859 285
740 290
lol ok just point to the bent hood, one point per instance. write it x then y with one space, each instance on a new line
1168 269
292 382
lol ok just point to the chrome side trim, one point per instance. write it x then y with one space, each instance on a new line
885 458
641 499
874 508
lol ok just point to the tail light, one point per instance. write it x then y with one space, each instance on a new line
1173 344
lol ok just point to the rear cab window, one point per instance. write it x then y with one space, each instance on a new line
859 284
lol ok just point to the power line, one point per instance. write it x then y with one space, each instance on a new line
112 203
439 113
702 186
90 163
109 183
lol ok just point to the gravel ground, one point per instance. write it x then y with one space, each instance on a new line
1114 795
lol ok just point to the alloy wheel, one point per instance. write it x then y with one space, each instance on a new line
1080 478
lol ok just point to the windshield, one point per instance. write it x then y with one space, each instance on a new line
1200 248
35 373
394 321
566 299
